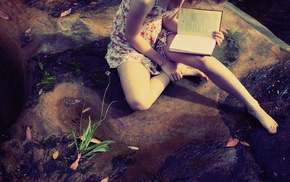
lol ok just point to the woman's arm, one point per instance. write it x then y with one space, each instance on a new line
170 22
137 14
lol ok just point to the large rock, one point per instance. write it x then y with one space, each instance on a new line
181 137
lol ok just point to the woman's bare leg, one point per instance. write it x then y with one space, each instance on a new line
140 90
223 78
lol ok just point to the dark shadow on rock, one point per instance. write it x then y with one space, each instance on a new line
85 63
183 130
12 90
235 117
56 8
209 161
184 92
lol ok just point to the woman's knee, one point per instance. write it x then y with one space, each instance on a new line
204 63
138 104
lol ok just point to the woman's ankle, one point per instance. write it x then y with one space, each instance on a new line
264 118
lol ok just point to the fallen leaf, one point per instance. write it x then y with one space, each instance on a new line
93 140
28 31
245 144
232 142
105 179
4 15
55 155
74 165
55 52
65 13
133 148
86 110
40 64
40 92
71 144
28 133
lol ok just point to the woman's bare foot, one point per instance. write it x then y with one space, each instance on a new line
190 71
267 121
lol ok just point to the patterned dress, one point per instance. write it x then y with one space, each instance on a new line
120 51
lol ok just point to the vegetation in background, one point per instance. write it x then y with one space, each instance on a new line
47 83
232 48
76 67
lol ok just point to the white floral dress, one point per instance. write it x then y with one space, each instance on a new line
120 51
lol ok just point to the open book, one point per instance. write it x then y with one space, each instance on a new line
194 32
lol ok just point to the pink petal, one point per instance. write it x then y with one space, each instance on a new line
74 165
105 179
245 144
28 133
55 154
232 142
65 13
4 16
86 110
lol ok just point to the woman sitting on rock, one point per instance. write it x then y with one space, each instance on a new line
142 31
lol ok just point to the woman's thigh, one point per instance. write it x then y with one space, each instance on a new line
135 80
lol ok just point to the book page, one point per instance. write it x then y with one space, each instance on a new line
198 22
193 44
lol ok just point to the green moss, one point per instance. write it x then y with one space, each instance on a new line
232 48
50 142
99 78
76 67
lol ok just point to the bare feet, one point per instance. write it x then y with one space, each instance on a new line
267 121
190 71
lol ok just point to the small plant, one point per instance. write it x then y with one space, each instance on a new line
233 33
85 146
47 82
232 49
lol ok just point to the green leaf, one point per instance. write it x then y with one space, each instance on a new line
97 150
87 136
75 139
100 147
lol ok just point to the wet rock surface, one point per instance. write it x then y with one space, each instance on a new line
270 86
181 138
